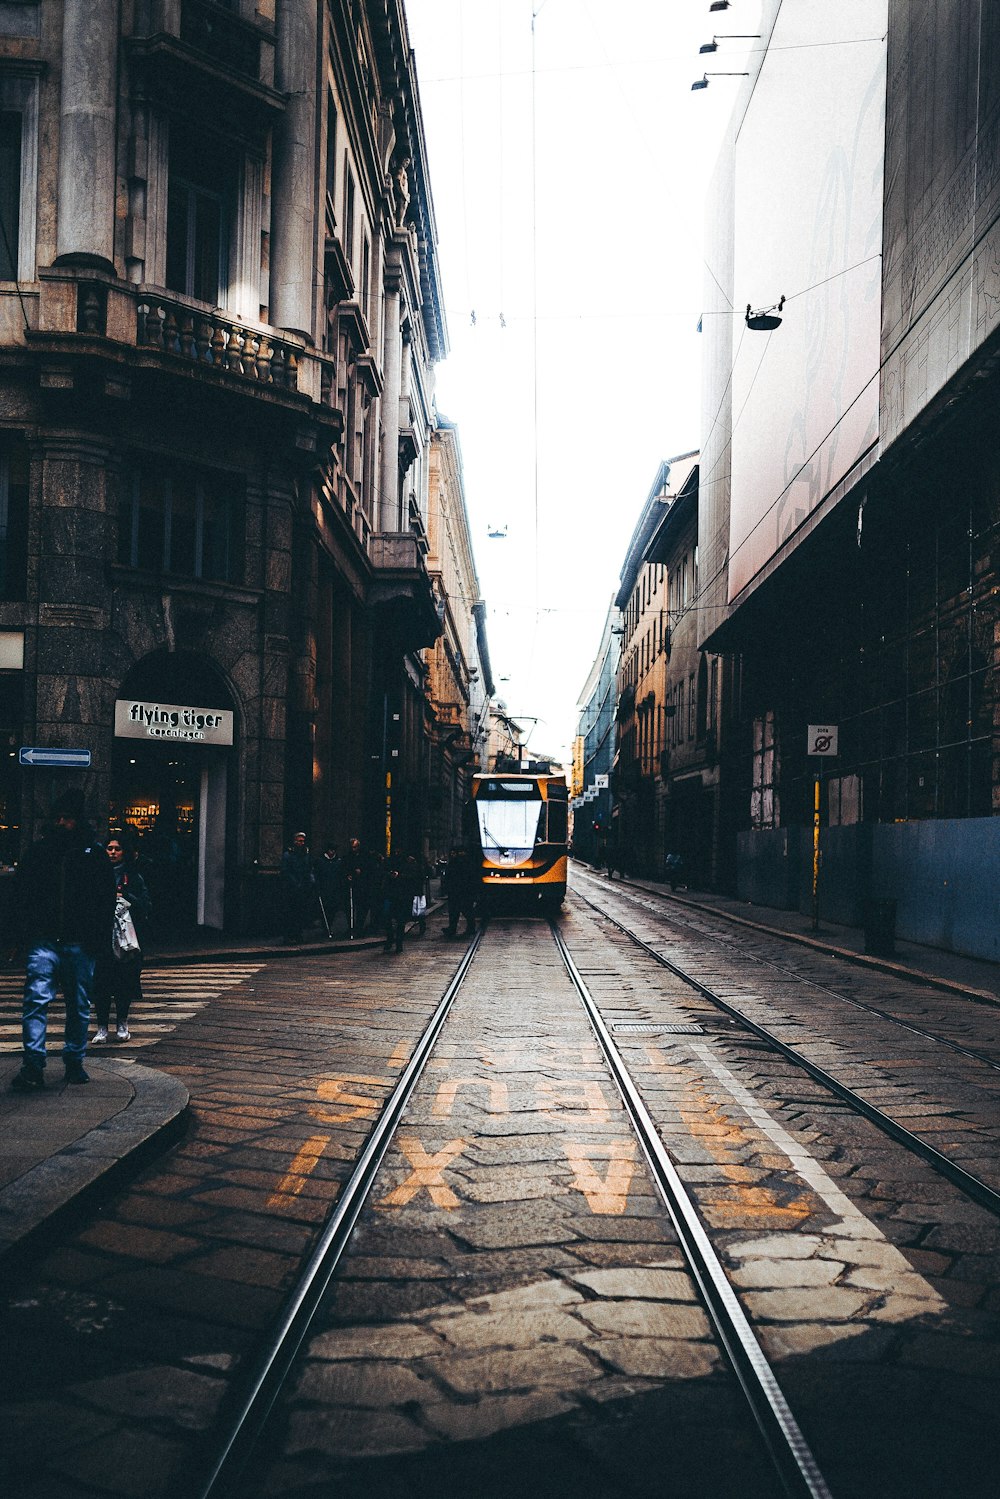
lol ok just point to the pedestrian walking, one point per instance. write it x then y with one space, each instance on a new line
118 977
397 903
362 874
297 889
461 885
65 903
418 878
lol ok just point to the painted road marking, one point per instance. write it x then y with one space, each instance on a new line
427 1174
607 1196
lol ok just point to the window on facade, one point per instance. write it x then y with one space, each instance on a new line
366 277
199 209
763 791
184 521
10 193
692 707
18 175
348 213
331 151
13 518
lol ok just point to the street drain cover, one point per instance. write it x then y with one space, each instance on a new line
658 1030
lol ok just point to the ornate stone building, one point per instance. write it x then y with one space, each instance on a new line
219 319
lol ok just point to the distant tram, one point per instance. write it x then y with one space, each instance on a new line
520 823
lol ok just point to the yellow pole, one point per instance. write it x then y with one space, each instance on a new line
815 890
388 814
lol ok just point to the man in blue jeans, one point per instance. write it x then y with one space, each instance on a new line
65 904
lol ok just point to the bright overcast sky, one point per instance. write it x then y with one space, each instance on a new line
568 177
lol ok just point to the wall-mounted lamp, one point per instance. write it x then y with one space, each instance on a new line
765 319
702 82
736 36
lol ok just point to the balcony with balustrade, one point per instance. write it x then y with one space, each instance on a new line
402 590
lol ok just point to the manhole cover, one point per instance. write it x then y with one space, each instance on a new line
658 1030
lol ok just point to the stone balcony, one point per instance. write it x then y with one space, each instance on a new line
86 313
402 590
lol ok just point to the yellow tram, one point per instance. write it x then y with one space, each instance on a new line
520 823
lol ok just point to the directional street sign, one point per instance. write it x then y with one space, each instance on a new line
68 759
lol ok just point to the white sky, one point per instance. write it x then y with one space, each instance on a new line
568 180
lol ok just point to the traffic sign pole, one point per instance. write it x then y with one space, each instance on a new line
815 890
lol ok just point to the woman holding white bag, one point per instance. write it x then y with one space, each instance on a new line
117 976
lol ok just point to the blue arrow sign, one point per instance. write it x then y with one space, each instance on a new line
78 759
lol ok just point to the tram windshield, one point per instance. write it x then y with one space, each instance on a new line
508 826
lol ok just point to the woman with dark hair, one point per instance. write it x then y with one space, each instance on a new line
119 978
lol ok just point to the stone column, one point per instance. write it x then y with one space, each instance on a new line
87 166
294 196
388 516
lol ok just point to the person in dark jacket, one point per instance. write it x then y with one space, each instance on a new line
331 884
297 888
461 885
119 979
397 901
65 909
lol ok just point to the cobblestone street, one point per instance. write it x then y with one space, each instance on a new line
514 1313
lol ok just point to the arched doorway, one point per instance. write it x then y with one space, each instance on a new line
171 782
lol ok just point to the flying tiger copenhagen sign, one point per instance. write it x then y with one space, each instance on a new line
172 722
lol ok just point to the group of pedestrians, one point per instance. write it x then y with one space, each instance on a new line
333 885
71 893
372 892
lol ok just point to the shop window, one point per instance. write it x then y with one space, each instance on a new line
763 792
185 521
13 519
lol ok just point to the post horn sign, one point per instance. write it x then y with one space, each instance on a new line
172 722
822 739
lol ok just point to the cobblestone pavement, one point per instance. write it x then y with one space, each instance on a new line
513 1315
827 1010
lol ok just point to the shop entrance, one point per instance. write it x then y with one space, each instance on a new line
174 803
169 785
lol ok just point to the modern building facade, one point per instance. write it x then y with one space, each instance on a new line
220 314
850 490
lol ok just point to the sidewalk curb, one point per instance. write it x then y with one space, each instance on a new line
240 952
44 1197
862 960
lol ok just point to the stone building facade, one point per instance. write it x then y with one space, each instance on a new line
219 318
460 682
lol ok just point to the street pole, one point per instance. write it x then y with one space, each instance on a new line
388 775
815 885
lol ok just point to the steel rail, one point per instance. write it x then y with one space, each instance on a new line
972 1186
262 1389
788 1449
801 978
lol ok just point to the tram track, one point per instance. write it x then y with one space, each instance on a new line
788 1451
967 1182
261 1391
907 1025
